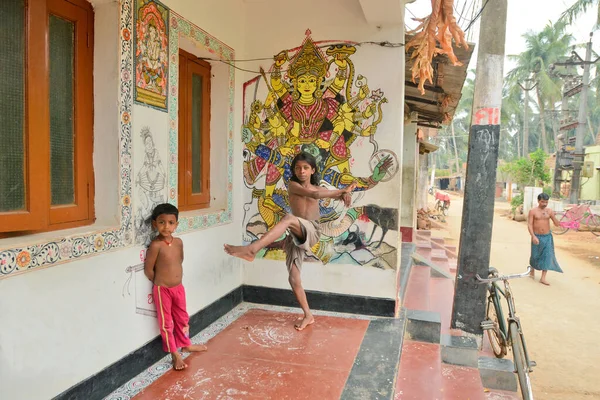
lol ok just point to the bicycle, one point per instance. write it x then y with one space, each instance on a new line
574 217
503 333
442 203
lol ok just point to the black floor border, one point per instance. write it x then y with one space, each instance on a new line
373 375
323 301
100 385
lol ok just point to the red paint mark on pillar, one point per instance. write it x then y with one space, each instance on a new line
407 234
487 116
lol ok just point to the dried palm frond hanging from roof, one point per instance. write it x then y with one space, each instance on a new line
440 27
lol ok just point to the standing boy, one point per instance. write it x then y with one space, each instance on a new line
542 244
163 267
302 226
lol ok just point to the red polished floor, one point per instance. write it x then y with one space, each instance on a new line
262 356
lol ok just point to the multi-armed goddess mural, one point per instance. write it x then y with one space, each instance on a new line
311 99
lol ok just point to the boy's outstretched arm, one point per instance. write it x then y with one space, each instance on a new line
151 255
317 192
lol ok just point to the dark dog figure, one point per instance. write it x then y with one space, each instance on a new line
385 218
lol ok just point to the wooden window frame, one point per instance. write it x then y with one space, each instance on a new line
39 215
189 64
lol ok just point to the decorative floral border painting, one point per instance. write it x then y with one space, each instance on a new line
180 27
18 260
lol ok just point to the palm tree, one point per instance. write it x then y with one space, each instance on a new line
543 49
512 120
579 7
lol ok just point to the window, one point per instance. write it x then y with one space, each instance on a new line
46 115
194 132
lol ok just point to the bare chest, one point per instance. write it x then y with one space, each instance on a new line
542 216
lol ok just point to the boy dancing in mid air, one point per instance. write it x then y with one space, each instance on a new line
302 226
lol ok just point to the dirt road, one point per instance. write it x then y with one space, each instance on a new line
561 322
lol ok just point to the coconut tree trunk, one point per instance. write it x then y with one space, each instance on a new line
455 149
542 119
555 132
526 126
590 129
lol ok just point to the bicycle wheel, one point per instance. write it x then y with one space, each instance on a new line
520 362
494 336
445 209
559 230
593 224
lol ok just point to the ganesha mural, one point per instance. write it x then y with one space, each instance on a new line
315 102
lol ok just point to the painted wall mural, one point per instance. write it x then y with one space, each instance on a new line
150 184
151 53
142 287
315 102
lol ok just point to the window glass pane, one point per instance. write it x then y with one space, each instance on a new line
62 51
196 134
12 105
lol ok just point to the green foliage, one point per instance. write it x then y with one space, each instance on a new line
517 201
579 7
543 48
527 172
440 173
548 190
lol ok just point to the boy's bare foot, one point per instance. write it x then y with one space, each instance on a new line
544 283
532 273
242 252
178 363
306 321
194 348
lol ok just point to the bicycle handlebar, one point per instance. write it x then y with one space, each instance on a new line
504 277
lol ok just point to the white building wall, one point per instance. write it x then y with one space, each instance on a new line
63 323
276 26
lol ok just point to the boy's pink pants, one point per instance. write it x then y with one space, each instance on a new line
172 316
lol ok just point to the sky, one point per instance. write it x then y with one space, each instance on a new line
523 16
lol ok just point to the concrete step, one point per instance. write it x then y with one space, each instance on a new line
435 270
424 252
423 376
417 290
500 395
438 240
423 233
443 264
453 265
423 326
459 350
449 250
419 372
423 244
438 255
461 383
497 373
452 251
441 295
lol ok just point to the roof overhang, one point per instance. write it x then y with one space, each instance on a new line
383 12
448 80
426 147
